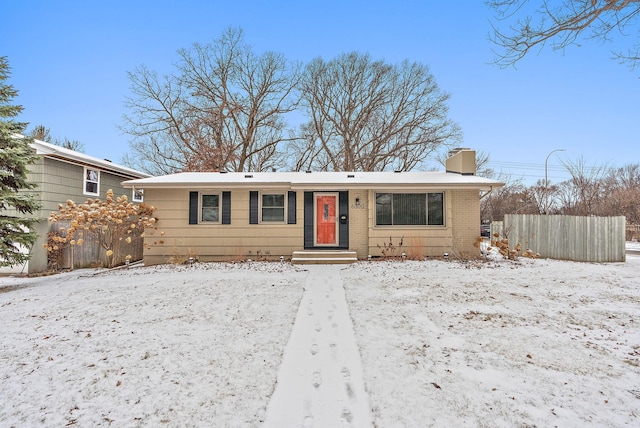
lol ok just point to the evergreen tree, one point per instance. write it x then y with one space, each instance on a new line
16 226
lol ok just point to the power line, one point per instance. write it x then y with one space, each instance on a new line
525 166
536 166
529 171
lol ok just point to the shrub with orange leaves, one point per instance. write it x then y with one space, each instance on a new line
507 252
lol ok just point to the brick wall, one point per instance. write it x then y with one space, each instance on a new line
465 217
359 222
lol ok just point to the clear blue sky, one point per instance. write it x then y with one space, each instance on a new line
70 60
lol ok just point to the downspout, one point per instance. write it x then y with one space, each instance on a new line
486 194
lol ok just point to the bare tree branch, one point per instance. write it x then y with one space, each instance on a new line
221 110
370 116
534 24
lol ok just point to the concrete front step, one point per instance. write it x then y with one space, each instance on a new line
324 257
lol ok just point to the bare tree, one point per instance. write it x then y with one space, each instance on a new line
42 133
581 194
512 198
222 109
621 188
547 197
367 115
534 24
591 190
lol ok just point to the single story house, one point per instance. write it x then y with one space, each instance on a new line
225 216
62 174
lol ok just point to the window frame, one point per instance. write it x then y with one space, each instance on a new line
426 209
261 206
135 192
86 181
201 207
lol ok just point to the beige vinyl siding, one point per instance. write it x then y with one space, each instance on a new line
417 241
175 237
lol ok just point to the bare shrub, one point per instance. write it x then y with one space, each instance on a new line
415 248
389 249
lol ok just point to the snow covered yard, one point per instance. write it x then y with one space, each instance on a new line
532 343
156 346
537 342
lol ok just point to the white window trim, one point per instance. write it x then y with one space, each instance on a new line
286 203
412 226
200 195
136 192
85 181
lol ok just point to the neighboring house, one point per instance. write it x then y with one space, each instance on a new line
62 174
226 216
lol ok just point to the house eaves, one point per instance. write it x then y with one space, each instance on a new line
318 181
71 156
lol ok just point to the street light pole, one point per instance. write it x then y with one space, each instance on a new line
546 181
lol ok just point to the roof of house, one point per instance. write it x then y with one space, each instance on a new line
316 180
67 155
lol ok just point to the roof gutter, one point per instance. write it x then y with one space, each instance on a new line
71 156
487 193
306 186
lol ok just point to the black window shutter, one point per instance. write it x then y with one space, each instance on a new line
308 220
344 228
226 207
193 207
291 208
253 207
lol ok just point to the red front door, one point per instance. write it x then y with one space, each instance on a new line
326 219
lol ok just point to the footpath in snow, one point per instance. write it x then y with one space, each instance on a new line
320 380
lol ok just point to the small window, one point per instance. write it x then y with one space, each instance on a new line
138 195
91 181
210 208
273 207
409 209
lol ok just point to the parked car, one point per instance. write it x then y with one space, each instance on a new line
485 230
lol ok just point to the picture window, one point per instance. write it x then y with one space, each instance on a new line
410 209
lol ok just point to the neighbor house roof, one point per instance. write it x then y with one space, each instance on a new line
66 155
315 180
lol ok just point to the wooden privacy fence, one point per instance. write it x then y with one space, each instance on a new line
564 237
90 254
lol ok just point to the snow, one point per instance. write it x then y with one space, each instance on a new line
440 343
147 346
320 380
533 343
308 181
633 245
